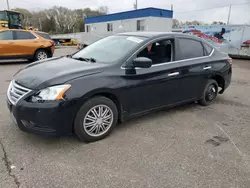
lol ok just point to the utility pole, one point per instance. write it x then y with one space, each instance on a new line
40 24
136 5
229 14
8 5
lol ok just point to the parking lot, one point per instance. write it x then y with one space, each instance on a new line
186 146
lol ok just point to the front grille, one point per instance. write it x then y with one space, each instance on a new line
16 92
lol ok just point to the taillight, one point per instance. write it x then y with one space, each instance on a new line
230 61
52 43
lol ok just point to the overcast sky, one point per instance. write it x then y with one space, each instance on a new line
183 9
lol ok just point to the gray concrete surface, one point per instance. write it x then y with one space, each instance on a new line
187 146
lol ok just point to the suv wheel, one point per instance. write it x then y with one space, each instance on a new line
210 93
96 119
41 54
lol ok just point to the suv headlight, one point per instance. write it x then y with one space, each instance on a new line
52 93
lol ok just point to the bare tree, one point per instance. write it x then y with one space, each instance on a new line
103 9
59 19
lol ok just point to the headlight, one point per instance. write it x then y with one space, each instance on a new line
52 93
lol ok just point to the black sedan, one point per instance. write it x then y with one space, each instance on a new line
114 79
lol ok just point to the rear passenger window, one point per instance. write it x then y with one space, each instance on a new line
189 48
208 48
44 35
22 35
6 35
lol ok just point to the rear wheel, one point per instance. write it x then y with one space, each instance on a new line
41 54
210 93
96 119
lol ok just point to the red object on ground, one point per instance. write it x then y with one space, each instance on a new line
246 42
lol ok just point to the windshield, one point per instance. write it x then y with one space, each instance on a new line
109 49
3 16
14 18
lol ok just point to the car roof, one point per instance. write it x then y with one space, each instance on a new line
23 30
15 30
150 34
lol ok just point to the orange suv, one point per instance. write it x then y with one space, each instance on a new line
25 44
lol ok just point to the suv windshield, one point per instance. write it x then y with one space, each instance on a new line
109 49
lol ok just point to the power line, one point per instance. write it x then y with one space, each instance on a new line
212 8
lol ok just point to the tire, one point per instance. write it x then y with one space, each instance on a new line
41 54
209 94
31 60
89 133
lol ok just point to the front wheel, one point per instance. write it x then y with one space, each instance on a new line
210 93
96 119
41 54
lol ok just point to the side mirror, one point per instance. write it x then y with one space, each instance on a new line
142 62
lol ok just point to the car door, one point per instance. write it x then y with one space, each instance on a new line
6 43
24 43
154 87
195 67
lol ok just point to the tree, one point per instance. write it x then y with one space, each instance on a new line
218 23
59 19
103 9
176 23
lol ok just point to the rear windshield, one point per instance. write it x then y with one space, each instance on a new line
44 35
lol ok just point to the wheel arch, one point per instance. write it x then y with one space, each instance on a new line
104 93
220 81
43 48
113 98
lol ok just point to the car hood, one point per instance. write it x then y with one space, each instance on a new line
55 71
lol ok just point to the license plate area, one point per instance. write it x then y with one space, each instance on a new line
11 112
13 118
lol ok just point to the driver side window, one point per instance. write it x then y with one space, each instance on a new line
6 35
159 51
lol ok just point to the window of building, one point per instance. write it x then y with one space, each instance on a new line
140 25
23 35
109 27
88 28
159 52
189 48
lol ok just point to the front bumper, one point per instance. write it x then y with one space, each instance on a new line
47 119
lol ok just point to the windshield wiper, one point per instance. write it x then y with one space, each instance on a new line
93 60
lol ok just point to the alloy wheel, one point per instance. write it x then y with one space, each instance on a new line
211 93
98 120
42 55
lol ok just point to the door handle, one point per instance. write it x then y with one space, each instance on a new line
173 74
207 67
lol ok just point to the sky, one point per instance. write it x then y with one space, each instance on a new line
183 9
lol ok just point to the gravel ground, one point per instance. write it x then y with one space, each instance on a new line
187 146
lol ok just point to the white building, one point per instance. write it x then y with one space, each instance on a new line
148 19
